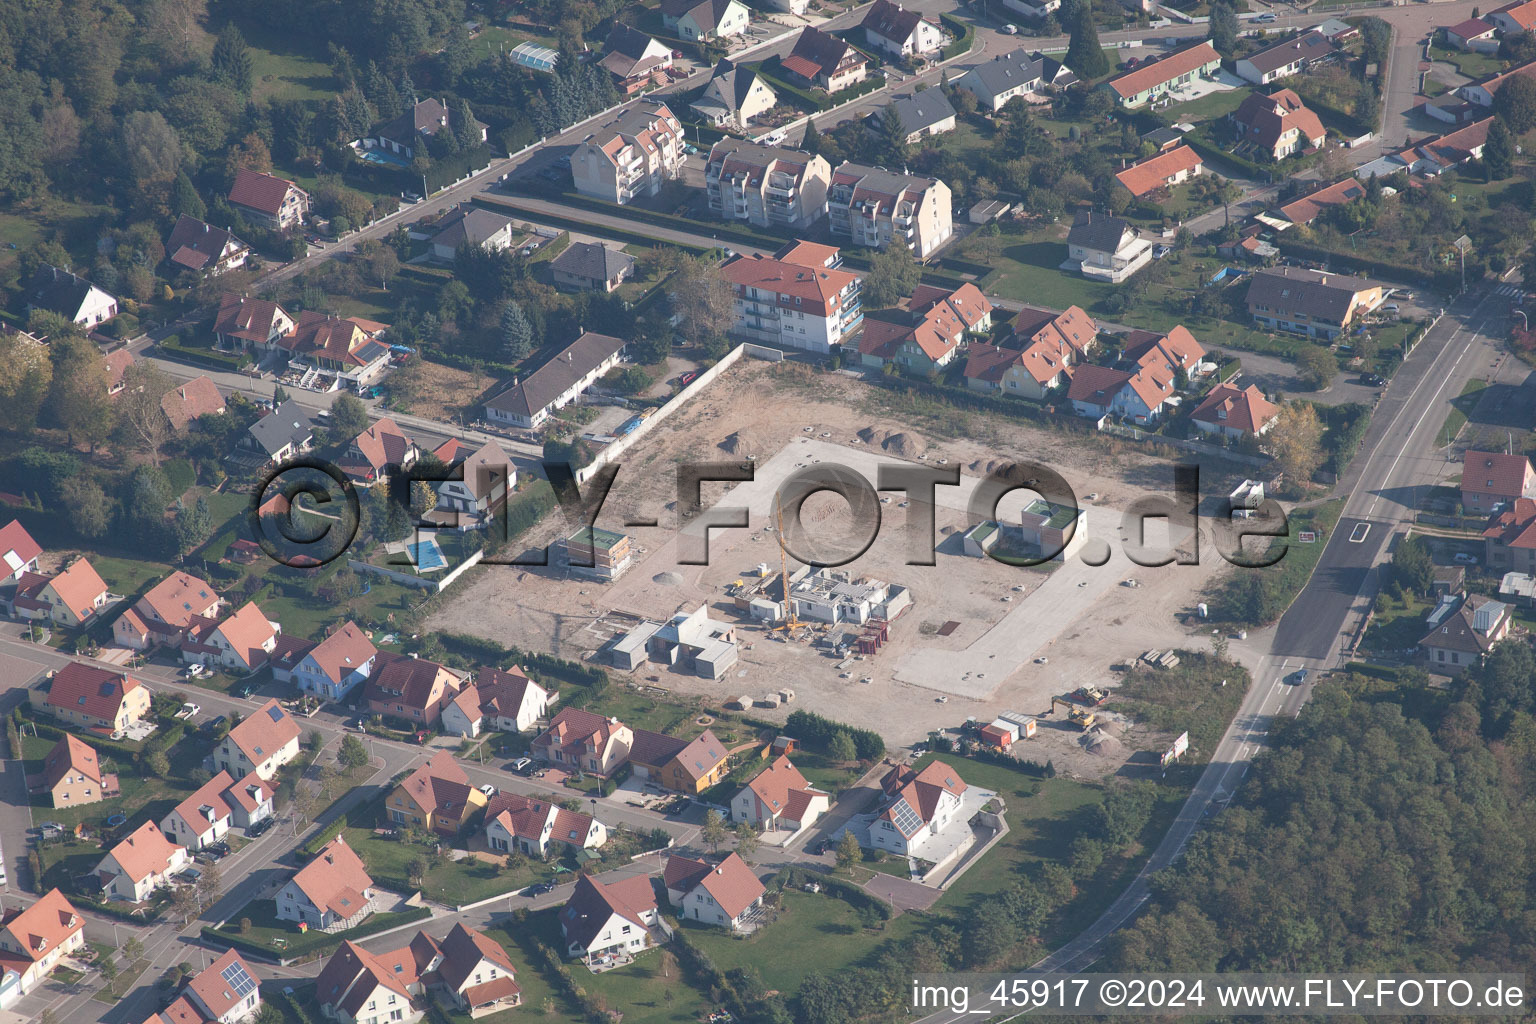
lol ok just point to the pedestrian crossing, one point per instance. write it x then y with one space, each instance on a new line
1510 291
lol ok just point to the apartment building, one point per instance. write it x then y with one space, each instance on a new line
766 186
631 155
873 206
798 305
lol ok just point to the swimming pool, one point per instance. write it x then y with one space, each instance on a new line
378 156
426 555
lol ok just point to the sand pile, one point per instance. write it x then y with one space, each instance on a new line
908 446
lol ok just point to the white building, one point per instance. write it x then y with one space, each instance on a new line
259 744
901 31
558 383
872 206
610 917
139 865
723 895
1105 248
835 595
765 185
631 155
920 804
779 797
806 306
71 297
332 892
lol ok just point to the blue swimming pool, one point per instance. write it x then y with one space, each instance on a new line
426 554
378 156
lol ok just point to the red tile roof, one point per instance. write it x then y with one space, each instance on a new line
380 445
186 402
217 994
1472 28
463 949
774 784
16 541
1178 63
1096 385
1155 172
247 319
1308 208
259 191
343 652
733 885
335 880
145 852
921 790
264 732
206 805
70 756
439 786
1243 409
1269 118
817 288
179 597
1515 527
89 690
118 361
43 927
595 901
1495 473
79 587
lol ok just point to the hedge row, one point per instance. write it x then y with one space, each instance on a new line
696 961
317 942
812 729
1350 261
172 347
592 1010
1360 668
489 652
965 34
48 727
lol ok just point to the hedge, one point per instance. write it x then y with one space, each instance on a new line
811 728
553 965
317 942
1360 668
1350 261
504 203
965 34
172 347
489 652
49 728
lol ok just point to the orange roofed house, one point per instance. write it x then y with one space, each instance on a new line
466 969
532 824
807 306
631 155
140 864
927 331
241 643
413 690
779 797
333 892
70 598
684 766
1510 539
259 744
335 351
272 202
436 797
97 699
381 445
583 741
224 992
1166 169
610 918
1235 412
1279 124
166 612
33 940
724 895
185 402
1155 79
18 552
919 805
1489 479
72 775
335 666
250 323
218 805
823 60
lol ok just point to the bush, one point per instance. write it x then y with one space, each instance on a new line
814 730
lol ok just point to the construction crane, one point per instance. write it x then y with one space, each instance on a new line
1078 716
790 622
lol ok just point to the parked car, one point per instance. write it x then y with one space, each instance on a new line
188 710
1391 307
522 766
1374 380
488 789
1267 17
212 725
1010 30
539 888
1463 558
260 827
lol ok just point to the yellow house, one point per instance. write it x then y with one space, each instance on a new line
679 765
436 797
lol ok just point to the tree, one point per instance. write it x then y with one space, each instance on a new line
184 198
893 273
466 130
810 142
1219 645
138 406
703 301
516 332
133 949
848 852
25 376
714 832
184 903
231 62
107 965
746 839
1297 440
1085 55
383 264
1499 150
77 398
1317 367
892 137
1224 28
86 505
1515 104
151 148
352 754
1376 39
423 497
209 884
1413 566
349 417
194 525
840 747
157 763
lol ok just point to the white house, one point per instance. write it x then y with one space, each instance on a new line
358 987
557 383
225 992
798 305
723 895
632 155
698 20
240 644
33 940
900 31
486 477
74 298
203 818
140 864
504 701
332 892
532 825
474 226
920 804
336 665
779 797
1105 248
610 917
261 743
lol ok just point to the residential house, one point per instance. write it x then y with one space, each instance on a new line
591 267
1105 248
284 433
559 382
901 31
534 824
918 805
357 987
1014 74
185 402
1311 302
780 798
250 323
436 797
486 478
240 644
1463 628
372 453
97 699
766 186
1231 411
1155 79
1248 246
634 59
609 917
139 864
1164 170
1140 395
336 665
1514 18
250 800
797 306
1177 351
734 96
412 690
724 894
630 156
70 598
338 352
822 60
1491 479
926 334
1279 124
331 893
70 296
1510 538
260 743
691 642
204 249
507 701
204 818
269 201
595 553
683 766
165 613
1032 9
797 7
475 226
1472 34
1433 156
404 134
475 975
922 113
34 939
700 20
18 552
1285 58
72 775
1072 333
585 742
873 207
225 992
1027 373
1308 208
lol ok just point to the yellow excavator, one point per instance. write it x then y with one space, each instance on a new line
791 625
1079 716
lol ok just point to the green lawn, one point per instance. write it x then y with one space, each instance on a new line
144 798
810 932
280 68
1210 106
1473 65
1398 626
451 882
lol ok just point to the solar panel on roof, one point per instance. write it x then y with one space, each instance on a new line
276 714
906 818
238 979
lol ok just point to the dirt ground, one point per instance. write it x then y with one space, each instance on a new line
439 392
760 410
